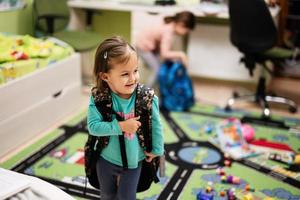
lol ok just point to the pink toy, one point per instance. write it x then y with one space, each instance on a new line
248 132
233 179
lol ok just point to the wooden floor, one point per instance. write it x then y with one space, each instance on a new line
218 92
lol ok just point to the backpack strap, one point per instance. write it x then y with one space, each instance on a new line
103 102
143 108
122 145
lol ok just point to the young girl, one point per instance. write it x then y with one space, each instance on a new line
116 67
155 42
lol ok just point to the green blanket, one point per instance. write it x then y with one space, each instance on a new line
20 55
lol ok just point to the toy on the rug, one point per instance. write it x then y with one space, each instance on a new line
229 178
220 171
231 139
208 128
231 194
207 194
285 158
249 189
222 193
233 179
289 159
227 160
248 132
203 195
248 196
279 152
297 159
295 166
227 163
267 146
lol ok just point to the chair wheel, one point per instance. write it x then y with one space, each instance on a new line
227 108
236 95
292 109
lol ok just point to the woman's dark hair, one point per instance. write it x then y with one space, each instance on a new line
187 18
114 50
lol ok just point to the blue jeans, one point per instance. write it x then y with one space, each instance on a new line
107 176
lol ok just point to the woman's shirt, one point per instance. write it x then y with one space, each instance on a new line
124 107
153 37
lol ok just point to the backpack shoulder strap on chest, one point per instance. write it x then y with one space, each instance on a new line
143 108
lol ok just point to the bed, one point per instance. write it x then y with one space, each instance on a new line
17 186
36 89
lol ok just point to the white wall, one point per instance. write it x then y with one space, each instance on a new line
212 55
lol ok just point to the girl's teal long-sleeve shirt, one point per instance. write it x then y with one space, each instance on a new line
124 107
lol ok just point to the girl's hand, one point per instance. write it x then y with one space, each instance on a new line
130 126
149 156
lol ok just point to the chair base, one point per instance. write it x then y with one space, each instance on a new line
260 97
263 101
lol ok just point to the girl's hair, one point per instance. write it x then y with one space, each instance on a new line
187 18
114 50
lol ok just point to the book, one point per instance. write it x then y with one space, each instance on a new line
231 139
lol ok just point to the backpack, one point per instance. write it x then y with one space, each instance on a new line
94 144
176 89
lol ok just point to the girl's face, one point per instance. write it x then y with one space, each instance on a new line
180 29
122 79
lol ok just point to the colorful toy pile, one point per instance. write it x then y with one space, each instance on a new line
229 187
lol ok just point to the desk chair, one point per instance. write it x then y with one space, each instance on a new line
52 18
253 32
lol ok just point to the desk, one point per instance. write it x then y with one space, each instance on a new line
78 17
210 51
